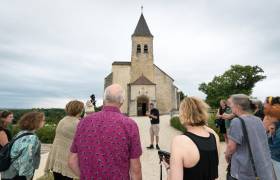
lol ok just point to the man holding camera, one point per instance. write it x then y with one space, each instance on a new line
154 129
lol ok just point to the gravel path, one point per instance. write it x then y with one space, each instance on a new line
149 158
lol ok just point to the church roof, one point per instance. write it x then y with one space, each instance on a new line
142 28
126 63
142 80
164 72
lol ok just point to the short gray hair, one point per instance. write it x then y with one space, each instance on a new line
243 101
114 97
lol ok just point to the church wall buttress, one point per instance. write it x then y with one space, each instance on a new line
121 76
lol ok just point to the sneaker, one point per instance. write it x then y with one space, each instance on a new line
157 147
150 147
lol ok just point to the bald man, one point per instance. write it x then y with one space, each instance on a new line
107 143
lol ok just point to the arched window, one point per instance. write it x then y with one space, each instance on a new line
145 48
138 48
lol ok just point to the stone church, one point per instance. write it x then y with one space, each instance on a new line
143 81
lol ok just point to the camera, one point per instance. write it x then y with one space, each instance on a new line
164 155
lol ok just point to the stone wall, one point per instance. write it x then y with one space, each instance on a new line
141 90
108 80
174 98
121 76
142 63
164 91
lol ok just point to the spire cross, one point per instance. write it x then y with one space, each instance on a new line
141 9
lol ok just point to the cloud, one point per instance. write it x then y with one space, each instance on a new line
54 51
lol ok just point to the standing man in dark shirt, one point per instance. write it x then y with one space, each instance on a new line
154 129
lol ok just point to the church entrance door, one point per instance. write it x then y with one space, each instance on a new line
142 105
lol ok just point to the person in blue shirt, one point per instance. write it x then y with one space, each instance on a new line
25 152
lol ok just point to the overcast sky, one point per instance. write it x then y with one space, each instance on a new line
57 50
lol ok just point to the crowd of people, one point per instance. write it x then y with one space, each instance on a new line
251 156
106 144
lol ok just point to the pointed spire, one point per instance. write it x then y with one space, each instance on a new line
142 28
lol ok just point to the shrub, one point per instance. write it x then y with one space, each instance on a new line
211 124
175 122
53 115
46 134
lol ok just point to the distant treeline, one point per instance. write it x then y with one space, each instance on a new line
53 115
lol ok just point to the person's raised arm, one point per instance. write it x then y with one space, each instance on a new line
135 169
218 116
228 116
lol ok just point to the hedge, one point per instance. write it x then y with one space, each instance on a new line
46 134
175 122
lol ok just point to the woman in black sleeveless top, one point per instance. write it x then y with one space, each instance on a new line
207 166
194 155
6 117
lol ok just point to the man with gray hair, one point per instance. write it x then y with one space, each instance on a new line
107 143
238 148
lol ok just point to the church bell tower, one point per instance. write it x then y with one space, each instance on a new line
142 51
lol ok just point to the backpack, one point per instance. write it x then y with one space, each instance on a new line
5 158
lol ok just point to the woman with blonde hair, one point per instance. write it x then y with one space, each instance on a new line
194 155
66 128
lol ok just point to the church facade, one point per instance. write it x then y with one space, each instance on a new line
142 80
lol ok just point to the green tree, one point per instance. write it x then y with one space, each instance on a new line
238 79
182 95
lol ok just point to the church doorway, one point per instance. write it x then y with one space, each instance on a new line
142 105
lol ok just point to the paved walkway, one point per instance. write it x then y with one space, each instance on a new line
149 159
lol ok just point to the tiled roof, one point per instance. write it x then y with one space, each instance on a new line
121 63
142 80
142 28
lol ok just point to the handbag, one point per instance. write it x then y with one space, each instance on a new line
5 153
245 133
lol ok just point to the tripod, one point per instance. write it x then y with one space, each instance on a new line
160 170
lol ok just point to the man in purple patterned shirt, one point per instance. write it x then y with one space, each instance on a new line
107 144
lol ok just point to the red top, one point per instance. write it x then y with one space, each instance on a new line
105 142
